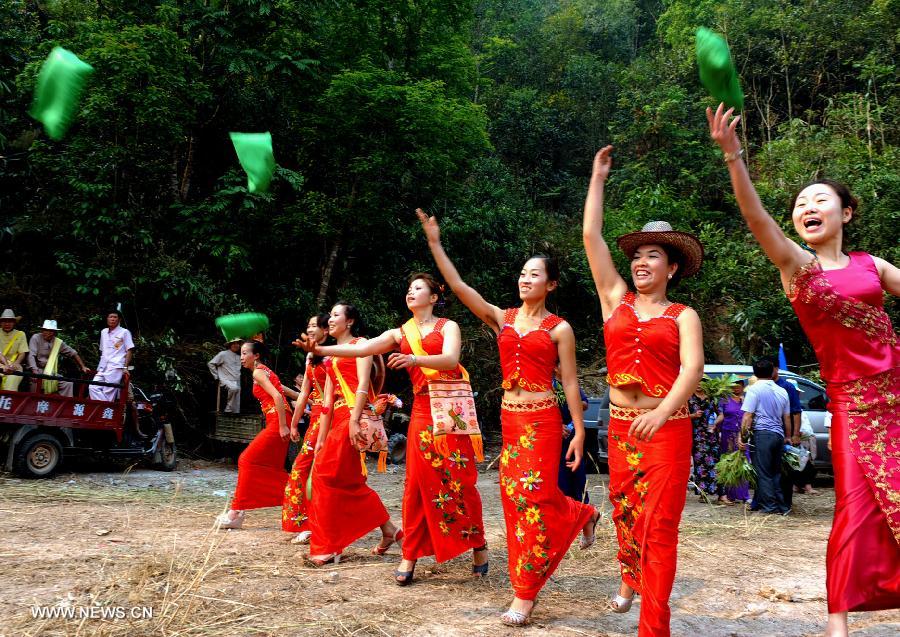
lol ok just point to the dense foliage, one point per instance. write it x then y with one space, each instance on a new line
486 112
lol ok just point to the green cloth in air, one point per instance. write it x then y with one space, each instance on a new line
254 151
244 325
717 72
58 91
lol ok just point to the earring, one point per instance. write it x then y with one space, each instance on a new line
670 276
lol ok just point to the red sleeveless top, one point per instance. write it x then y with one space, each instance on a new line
317 375
527 360
433 343
842 313
260 394
642 352
348 372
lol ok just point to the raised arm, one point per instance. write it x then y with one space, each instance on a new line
490 314
610 285
889 275
785 254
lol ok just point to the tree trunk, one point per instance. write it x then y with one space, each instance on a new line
329 270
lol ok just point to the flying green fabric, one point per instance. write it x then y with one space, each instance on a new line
58 91
244 325
254 151
717 72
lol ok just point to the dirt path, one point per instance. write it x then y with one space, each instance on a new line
145 539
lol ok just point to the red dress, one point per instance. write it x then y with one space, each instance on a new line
261 474
647 479
441 503
294 514
842 313
541 522
344 508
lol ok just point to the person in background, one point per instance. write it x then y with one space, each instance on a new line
705 449
13 349
225 367
767 410
44 350
788 475
572 483
728 422
116 347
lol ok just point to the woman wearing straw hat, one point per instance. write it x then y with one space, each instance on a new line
441 502
839 299
655 359
541 522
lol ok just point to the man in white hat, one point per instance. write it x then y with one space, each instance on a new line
116 348
45 348
226 369
13 350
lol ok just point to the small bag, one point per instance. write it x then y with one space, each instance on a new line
371 426
452 401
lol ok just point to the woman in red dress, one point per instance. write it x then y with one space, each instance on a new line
261 474
839 299
344 508
541 522
441 503
294 514
654 354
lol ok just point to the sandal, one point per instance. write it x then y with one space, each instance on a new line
227 522
382 548
620 604
406 575
332 558
586 542
480 570
301 538
517 618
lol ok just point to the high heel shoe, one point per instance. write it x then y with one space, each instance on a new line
620 604
480 570
396 538
586 542
227 522
301 538
334 558
406 575
516 617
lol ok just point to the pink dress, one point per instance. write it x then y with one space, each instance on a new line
842 313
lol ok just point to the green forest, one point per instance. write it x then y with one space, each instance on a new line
486 113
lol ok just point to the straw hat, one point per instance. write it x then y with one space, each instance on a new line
49 325
662 233
232 341
9 314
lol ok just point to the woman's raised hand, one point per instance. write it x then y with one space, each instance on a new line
305 343
429 226
722 128
602 163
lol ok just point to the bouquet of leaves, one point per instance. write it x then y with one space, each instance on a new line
734 470
718 388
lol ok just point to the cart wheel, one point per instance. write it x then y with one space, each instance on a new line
37 456
168 456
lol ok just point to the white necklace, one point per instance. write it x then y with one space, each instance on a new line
425 322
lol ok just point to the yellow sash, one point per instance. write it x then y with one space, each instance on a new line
350 398
52 386
13 341
414 338
8 382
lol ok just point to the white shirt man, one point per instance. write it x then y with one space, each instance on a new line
225 367
116 347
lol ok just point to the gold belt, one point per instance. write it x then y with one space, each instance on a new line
339 402
528 405
630 413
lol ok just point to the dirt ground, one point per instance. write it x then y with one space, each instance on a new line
145 539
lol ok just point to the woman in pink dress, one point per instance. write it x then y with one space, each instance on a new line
839 298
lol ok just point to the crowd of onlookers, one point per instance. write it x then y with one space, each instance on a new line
22 358
761 416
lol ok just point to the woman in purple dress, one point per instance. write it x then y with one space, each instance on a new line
729 423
